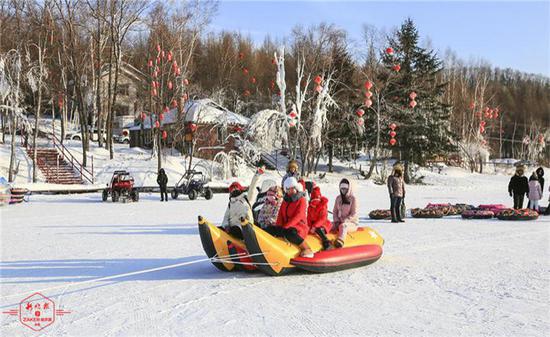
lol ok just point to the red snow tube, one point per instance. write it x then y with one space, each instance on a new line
477 214
517 214
495 208
339 259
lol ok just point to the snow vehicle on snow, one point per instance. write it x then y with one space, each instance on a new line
121 187
275 256
194 184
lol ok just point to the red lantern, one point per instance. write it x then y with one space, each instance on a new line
368 94
174 65
253 80
165 110
412 104
193 127
178 71
292 123
484 142
157 124
164 134
317 79
169 56
273 61
368 85
154 92
161 117
125 133
393 133
184 97
60 101
162 55
174 103
272 85
360 121
245 71
482 123
158 48
393 126
389 51
158 60
143 116
368 103
472 105
393 141
318 88
170 85
360 112
150 63
412 95
496 113
246 93
241 56
292 114
186 82
396 68
487 109
481 129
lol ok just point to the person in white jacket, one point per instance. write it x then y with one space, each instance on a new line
240 205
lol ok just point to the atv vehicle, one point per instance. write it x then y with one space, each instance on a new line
121 187
194 184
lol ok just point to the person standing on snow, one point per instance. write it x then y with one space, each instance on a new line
317 216
291 171
292 220
344 213
518 187
535 192
162 181
239 205
396 188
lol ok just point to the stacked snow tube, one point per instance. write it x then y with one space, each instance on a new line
477 214
460 208
517 214
495 208
380 214
276 256
17 195
427 213
446 209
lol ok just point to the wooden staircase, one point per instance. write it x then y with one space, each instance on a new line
54 167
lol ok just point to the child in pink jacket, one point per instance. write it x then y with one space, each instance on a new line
535 192
345 212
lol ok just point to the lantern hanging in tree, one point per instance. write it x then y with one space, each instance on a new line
318 88
186 81
246 93
393 134
393 126
162 54
178 71
241 56
170 85
158 48
184 97
193 127
317 79
253 80
368 85
412 104
368 103
164 134
412 95
292 114
368 94
273 61
292 123
165 109
360 112
150 63
389 51
360 121
396 68
169 56
157 124
174 103
161 117
143 116
154 92
472 105
245 71
393 141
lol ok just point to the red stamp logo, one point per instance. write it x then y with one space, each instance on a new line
36 312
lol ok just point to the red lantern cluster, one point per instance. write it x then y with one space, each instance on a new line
412 96
389 51
393 141
251 79
360 113
482 126
368 85
292 119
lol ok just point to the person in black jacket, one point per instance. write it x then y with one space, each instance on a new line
518 187
162 180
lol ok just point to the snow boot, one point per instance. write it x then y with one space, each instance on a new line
339 243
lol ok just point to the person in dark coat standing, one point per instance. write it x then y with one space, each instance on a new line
518 187
162 180
396 188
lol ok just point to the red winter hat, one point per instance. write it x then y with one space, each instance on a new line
302 185
236 186
315 193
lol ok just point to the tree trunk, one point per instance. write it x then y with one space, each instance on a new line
13 131
35 135
330 156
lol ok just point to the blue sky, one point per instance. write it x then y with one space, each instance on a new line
514 34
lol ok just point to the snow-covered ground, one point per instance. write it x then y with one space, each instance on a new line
437 277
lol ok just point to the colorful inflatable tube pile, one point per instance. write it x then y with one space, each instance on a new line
380 214
477 214
517 214
427 213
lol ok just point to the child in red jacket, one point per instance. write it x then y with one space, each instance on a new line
291 219
317 216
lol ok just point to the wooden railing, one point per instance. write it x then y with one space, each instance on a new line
85 174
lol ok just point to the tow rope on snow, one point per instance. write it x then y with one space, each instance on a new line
214 258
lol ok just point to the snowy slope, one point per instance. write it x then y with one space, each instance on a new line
442 277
